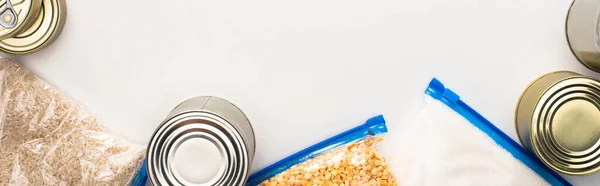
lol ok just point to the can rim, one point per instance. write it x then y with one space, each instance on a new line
521 99
246 117
566 27
546 148
237 146
56 30
29 19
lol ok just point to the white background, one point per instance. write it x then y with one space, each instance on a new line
302 70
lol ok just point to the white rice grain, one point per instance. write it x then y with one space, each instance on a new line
47 139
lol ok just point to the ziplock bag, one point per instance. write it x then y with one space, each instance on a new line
346 159
47 139
452 144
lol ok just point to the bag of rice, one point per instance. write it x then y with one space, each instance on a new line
451 144
346 159
49 140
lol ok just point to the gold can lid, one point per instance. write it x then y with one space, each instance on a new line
566 126
46 27
17 16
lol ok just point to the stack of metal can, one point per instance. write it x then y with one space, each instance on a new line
558 115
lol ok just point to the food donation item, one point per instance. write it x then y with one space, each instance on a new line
206 134
556 118
345 159
47 139
452 144
583 32
27 26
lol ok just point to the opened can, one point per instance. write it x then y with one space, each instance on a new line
583 32
208 135
558 119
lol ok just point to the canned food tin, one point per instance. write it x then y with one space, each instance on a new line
558 119
217 130
583 32
45 28
17 16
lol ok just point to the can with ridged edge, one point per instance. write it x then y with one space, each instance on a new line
217 130
558 119
17 16
45 28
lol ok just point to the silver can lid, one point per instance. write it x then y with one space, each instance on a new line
203 141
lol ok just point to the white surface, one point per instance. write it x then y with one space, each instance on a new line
302 70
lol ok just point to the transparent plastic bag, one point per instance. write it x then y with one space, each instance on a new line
47 139
451 144
346 159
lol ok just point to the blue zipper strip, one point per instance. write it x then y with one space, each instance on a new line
372 127
438 91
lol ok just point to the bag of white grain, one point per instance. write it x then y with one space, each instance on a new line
49 140
451 144
346 159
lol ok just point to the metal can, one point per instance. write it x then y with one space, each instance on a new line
18 16
214 121
45 28
558 119
583 32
